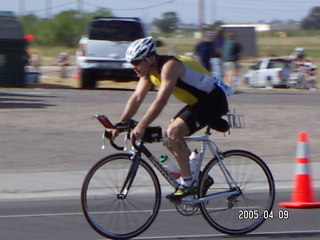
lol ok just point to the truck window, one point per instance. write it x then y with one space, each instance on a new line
276 64
115 30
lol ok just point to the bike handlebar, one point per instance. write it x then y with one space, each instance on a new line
152 134
104 121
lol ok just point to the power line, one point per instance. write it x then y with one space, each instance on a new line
201 15
46 9
21 6
80 6
132 9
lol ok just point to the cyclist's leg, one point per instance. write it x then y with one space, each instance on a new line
218 107
189 120
176 132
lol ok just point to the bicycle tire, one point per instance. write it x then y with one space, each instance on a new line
243 213
108 214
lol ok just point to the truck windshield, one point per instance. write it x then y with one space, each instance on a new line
115 30
279 64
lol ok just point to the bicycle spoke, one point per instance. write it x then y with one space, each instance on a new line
109 208
240 212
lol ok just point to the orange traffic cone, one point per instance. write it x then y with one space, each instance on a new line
302 195
76 74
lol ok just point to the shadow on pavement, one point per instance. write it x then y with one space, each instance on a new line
16 100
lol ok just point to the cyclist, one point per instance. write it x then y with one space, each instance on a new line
181 76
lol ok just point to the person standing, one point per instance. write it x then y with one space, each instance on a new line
215 60
203 51
63 62
231 56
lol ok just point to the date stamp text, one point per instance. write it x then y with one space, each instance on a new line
251 214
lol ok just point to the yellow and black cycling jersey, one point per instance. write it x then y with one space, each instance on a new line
195 84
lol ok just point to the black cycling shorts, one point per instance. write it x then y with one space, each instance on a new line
207 111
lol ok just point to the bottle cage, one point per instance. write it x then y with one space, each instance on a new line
235 120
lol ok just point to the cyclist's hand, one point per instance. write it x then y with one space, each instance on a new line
137 133
114 133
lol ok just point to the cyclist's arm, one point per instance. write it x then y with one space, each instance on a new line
169 76
134 102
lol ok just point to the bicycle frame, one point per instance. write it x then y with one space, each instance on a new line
164 172
205 143
155 162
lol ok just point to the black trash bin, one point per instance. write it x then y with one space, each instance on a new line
13 56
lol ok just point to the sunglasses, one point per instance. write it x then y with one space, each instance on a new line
136 62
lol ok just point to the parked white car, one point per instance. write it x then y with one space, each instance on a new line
101 52
269 72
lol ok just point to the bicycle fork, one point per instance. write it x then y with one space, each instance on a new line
130 177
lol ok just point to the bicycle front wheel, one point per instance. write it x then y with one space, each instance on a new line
113 209
251 181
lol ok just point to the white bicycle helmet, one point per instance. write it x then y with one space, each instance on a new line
140 48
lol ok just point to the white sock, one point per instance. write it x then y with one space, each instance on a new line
187 181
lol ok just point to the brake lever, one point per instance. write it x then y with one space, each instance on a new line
125 142
103 141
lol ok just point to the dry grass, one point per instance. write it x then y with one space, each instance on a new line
267 46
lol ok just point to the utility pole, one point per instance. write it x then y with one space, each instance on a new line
48 9
80 6
22 7
214 11
201 16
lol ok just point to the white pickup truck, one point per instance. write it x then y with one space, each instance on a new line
102 49
269 72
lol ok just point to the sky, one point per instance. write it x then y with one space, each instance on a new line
228 11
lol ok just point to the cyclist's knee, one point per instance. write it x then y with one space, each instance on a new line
177 130
173 133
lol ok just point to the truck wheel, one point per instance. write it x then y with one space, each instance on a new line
246 81
269 82
88 80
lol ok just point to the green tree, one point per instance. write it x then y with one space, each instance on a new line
29 24
45 34
168 23
40 28
101 12
67 28
312 21
64 29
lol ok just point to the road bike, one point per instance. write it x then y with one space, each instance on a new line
121 193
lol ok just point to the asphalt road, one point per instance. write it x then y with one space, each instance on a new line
63 220
48 142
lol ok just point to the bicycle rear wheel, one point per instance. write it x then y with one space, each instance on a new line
243 212
113 211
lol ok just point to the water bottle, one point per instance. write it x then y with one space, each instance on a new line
193 161
170 166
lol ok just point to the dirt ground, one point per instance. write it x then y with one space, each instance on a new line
73 79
